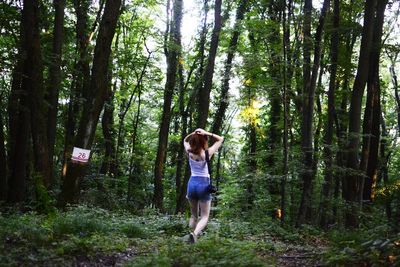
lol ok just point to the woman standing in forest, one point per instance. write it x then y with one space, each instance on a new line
198 193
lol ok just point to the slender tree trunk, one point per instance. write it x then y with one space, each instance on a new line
384 169
252 165
180 155
286 82
274 66
172 65
132 163
91 112
351 181
309 84
3 163
107 122
329 130
396 90
109 164
224 95
204 93
55 78
341 120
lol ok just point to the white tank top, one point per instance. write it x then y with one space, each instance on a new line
198 168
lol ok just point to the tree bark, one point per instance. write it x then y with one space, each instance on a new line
224 95
19 129
3 163
287 75
371 129
351 180
274 68
54 84
172 65
328 137
309 84
107 122
204 93
32 82
81 78
92 109
384 166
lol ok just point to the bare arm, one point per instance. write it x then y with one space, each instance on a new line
186 141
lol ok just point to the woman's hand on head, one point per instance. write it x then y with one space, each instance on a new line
200 131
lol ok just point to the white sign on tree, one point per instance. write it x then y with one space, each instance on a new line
80 154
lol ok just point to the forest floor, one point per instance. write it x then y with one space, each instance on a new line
86 236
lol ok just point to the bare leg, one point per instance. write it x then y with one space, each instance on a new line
194 216
205 213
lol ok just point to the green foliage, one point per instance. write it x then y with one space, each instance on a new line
133 230
44 201
377 246
81 230
210 251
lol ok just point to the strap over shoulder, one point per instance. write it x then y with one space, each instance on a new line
208 165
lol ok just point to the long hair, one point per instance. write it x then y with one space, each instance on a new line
197 142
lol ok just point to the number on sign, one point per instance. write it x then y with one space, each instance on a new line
82 156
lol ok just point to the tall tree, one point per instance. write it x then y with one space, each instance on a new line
98 89
203 98
224 94
19 131
174 46
3 163
371 123
309 85
275 9
81 77
54 83
32 81
351 180
329 129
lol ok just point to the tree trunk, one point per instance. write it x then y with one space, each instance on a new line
3 163
341 119
274 68
371 131
81 78
252 165
351 180
384 166
54 84
309 84
19 131
396 88
172 65
328 138
204 93
132 163
224 95
107 122
91 112
180 155
32 82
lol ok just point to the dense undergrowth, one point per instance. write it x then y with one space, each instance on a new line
101 237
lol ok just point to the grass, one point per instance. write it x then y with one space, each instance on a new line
102 237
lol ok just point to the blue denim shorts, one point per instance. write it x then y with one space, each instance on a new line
198 188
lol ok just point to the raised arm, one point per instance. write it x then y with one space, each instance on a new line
217 144
186 141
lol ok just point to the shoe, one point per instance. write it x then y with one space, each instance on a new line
192 238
